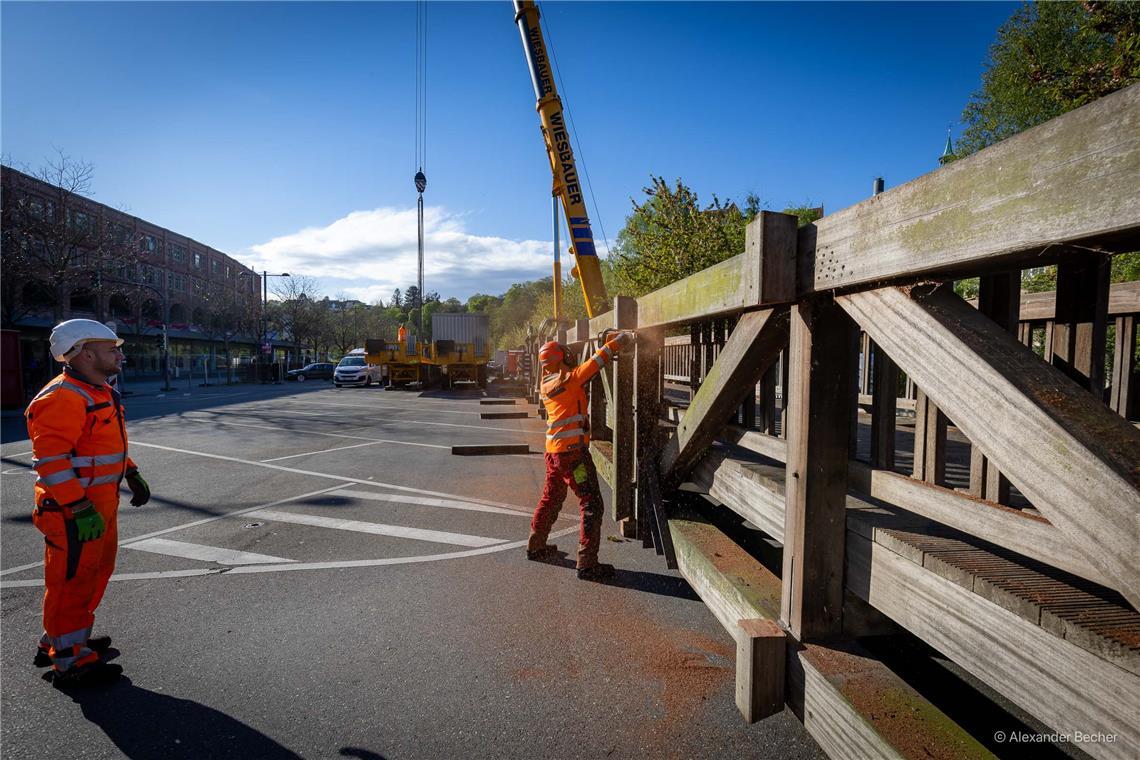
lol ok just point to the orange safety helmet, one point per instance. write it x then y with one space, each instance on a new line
552 353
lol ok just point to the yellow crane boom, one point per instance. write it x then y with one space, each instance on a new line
567 187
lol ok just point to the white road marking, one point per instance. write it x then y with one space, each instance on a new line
314 432
195 523
341 478
445 503
403 421
13 456
323 451
205 553
18 471
334 565
376 529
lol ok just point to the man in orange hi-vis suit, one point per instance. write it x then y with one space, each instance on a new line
79 450
568 461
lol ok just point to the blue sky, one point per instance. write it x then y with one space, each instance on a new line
283 133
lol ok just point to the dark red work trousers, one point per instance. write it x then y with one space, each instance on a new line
576 470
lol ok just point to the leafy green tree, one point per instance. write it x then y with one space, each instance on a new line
1050 58
671 235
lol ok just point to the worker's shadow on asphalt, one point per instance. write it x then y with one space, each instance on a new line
638 580
148 724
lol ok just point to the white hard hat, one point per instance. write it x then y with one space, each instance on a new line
68 337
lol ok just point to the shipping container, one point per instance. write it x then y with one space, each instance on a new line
466 328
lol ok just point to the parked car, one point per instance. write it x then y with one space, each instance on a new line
354 369
318 371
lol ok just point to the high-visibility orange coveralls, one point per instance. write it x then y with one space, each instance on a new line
568 461
79 449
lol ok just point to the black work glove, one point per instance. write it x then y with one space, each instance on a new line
140 490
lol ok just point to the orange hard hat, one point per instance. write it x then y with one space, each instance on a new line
552 353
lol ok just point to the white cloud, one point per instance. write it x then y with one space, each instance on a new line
368 254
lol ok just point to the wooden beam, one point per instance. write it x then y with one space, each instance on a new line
751 348
1069 180
770 240
1077 462
1064 686
1121 396
884 407
1080 322
625 318
821 398
999 298
1013 529
761 275
761 653
647 355
929 441
1123 298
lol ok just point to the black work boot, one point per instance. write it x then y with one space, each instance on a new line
598 572
95 673
97 644
542 553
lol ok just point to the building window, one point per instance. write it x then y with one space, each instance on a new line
177 254
119 233
170 280
79 221
197 260
215 266
229 272
149 244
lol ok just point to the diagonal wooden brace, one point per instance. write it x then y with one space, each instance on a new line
1066 451
751 348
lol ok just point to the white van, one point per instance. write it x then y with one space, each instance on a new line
354 369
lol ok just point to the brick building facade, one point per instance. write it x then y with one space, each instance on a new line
141 277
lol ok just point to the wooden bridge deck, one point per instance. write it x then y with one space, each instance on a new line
996 519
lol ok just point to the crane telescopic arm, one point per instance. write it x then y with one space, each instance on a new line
556 135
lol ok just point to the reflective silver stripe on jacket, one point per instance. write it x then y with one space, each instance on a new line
56 478
85 482
98 459
565 421
47 390
44 460
599 361
609 352
76 389
571 433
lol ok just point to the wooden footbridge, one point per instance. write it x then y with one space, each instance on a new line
965 472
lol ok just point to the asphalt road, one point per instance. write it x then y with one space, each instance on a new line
317 576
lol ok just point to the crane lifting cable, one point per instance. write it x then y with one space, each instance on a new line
421 153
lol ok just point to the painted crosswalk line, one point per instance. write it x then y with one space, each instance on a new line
205 553
377 529
429 502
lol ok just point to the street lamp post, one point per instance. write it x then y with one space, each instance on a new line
264 325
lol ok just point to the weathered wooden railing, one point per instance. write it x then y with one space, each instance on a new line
1028 575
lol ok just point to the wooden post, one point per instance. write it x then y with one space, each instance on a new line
647 412
884 408
999 298
767 421
694 359
1121 398
784 378
708 352
625 318
823 365
1081 316
865 386
929 441
761 653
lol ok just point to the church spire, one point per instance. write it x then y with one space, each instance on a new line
948 151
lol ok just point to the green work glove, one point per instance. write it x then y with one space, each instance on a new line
89 523
140 489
